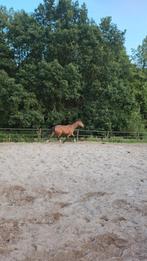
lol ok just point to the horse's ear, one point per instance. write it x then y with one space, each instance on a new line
80 120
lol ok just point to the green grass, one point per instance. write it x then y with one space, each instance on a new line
115 139
17 137
34 137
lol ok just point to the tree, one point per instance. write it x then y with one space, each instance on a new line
25 38
139 56
58 65
18 108
6 55
45 14
140 78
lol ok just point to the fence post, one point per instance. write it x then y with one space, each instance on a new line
10 135
77 135
39 133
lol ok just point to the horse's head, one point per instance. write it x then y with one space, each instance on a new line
80 124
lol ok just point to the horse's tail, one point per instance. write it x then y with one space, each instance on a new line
52 131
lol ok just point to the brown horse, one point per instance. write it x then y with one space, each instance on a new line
66 130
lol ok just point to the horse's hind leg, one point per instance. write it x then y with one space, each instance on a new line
59 138
52 134
65 139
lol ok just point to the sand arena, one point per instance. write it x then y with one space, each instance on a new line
73 201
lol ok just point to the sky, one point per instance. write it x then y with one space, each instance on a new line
127 14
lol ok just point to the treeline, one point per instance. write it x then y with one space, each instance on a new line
57 65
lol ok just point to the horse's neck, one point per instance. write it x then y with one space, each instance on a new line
75 125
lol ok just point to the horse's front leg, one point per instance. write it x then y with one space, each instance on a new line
73 137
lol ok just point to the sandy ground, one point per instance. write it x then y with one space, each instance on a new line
73 201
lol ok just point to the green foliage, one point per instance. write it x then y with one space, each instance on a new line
140 55
135 122
18 108
56 66
7 62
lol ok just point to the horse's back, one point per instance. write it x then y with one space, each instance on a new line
62 129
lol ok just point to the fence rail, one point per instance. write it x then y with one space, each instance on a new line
35 134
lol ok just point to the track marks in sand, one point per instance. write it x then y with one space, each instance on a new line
10 232
19 196
107 246
87 196
100 247
64 204
124 204
16 195
45 219
49 193
108 243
